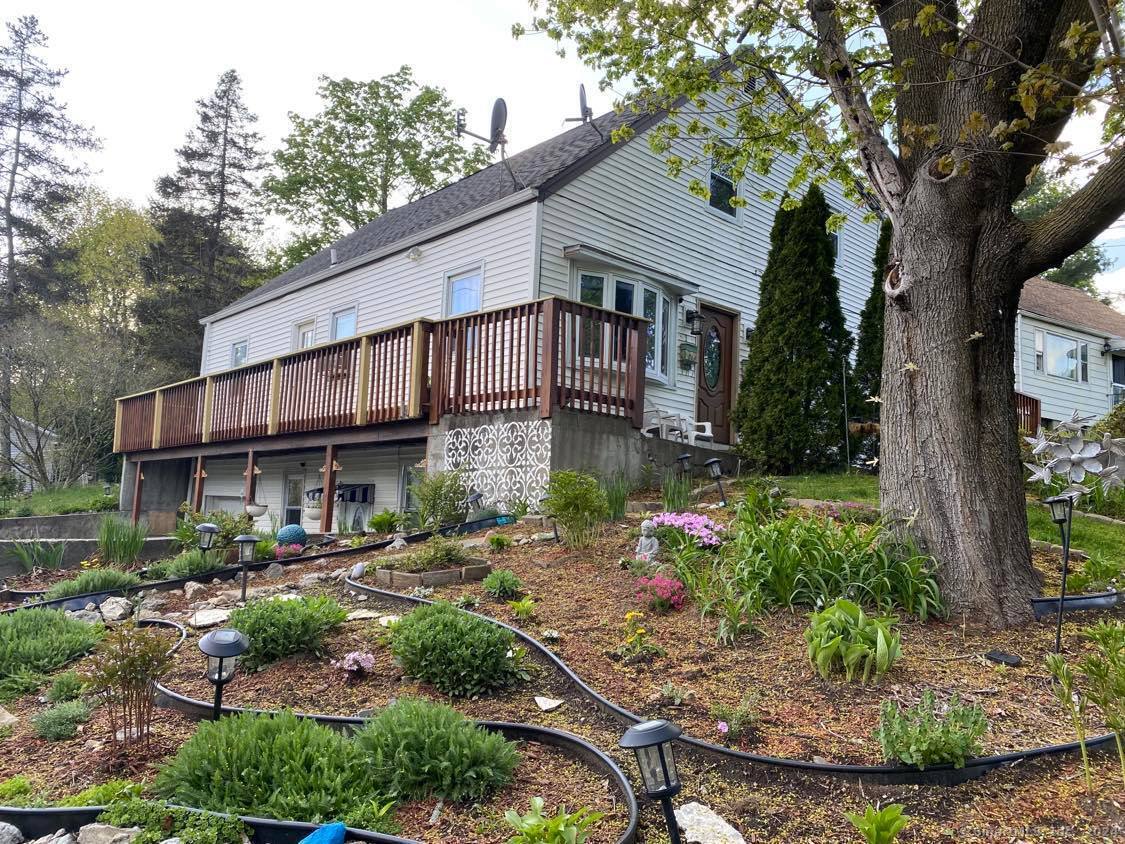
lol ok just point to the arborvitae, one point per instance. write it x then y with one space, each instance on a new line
869 350
791 413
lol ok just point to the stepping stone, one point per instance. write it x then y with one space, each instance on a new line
547 704
388 620
362 615
208 618
701 825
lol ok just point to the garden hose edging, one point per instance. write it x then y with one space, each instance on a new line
945 774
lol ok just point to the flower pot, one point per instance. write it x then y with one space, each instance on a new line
256 510
313 513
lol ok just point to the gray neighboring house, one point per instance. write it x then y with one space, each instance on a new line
29 436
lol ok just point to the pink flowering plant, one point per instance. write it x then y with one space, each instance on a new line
660 593
282 552
704 530
355 664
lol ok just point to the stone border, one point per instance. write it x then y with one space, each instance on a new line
478 568
883 774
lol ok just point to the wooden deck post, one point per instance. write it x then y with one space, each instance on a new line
363 382
197 489
328 496
157 417
636 391
251 475
275 398
208 407
418 340
138 485
549 390
117 426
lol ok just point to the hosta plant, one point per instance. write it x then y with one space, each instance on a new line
927 734
502 583
882 826
843 637
523 609
560 828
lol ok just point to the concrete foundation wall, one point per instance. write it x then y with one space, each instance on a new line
77 550
80 525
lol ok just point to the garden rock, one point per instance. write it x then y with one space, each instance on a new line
153 602
115 610
103 833
193 588
475 542
7 718
547 704
10 835
543 537
274 571
89 616
310 580
388 620
362 615
60 836
208 618
701 825
357 571
339 575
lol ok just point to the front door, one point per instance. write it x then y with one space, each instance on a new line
717 354
294 499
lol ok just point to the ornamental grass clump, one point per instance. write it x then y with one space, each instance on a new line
926 734
844 638
278 628
93 581
119 541
270 766
1105 678
416 749
459 654
34 642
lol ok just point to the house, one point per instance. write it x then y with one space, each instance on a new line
31 460
1070 353
522 319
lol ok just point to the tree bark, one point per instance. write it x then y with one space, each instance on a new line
950 471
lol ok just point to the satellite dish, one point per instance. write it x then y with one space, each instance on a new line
499 122
583 109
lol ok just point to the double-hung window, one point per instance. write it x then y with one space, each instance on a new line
465 292
343 324
1062 357
723 187
304 335
628 296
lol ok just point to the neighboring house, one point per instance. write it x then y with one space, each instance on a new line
28 441
1070 351
529 316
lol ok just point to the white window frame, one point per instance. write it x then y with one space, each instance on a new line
735 213
339 311
245 344
296 339
1081 356
477 269
665 305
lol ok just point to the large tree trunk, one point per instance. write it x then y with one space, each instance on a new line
950 470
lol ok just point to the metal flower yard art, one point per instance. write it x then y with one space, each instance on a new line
1065 455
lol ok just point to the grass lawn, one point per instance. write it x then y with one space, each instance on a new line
1088 535
70 499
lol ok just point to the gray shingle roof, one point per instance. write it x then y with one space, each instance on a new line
540 166
1070 305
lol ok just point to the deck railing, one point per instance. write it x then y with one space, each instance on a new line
1028 412
548 353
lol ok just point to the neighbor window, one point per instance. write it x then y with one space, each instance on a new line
343 324
304 335
464 292
630 297
1062 357
722 187
238 354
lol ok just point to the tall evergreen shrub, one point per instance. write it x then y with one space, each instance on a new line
869 349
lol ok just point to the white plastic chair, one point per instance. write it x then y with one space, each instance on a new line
663 424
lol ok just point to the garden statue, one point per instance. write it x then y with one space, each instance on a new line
398 542
647 546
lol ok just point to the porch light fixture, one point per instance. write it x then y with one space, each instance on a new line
1062 513
693 318
685 464
222 649
715 467
245 544
207 533
656 757
554 522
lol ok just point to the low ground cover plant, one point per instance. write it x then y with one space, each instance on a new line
187 564
34 642
880 826
523 609
636 643
92 581
461 655
440 552
385 522
355 664
683 529
578 505
560 828
61 720
278 766
120 542
928 734
734 723
278 628
842 637
102 794
499 542
19 791
420 749
1097 574
502 584
159 822
67 686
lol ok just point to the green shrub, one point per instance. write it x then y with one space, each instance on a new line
419 749
843 637
159 822
440 552
278 628
92 581
733 723
461 655
272 766
921 736
560 828
578 505
104 793
23 511
441 498
129 661
616 489
67 686
186 564
502 583
499 542
36 641
39 555
18 791
230 525
121 542
881 827
385 522
61 721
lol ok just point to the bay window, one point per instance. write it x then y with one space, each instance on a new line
629 296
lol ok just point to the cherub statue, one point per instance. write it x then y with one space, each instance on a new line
647 546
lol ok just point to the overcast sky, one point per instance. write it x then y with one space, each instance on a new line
136 69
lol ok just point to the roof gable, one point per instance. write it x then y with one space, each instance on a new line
1072 306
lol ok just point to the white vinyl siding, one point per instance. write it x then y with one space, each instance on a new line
391 291
1059 395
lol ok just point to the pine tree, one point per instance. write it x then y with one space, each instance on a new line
791 415
869 349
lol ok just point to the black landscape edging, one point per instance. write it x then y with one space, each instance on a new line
883 774
572 745
38 822
78 602
1049 607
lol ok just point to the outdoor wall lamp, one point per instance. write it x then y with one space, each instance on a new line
246 544
685 464
222 649
656 757
1062 512
714 466
693 317
207 533
542 511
